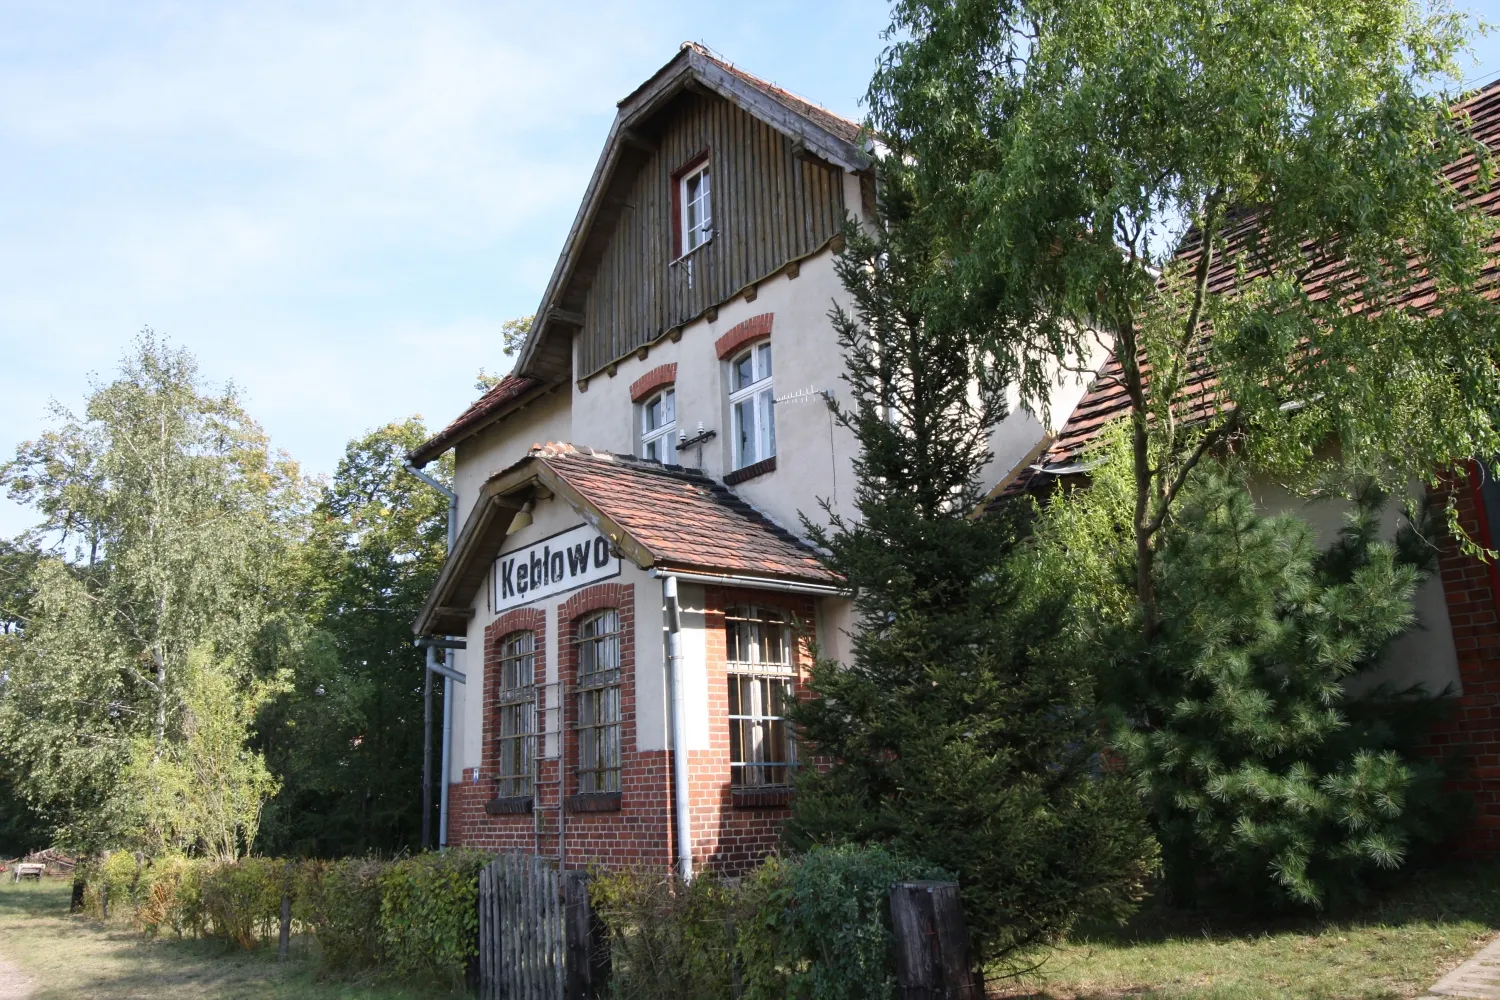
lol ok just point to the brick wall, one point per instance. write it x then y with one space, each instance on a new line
1473 730
639 831
728 836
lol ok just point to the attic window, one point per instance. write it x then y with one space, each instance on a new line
697 208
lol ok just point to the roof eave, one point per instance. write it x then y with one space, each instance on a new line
434 446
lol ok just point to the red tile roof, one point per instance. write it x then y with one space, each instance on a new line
684 519
1106 400
489 407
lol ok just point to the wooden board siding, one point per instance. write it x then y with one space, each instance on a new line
770 206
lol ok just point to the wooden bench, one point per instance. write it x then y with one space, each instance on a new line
26 870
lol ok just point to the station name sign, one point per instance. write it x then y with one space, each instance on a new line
570 559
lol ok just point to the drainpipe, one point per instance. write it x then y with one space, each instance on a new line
679 729
447 692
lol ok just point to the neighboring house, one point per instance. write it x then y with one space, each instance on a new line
665 426
1456 647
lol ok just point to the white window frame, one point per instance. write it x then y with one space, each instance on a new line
694 236
755 728
760 443
662 434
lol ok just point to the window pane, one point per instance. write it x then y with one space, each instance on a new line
765 360
744 432
668 407
744 371
767 424
652 450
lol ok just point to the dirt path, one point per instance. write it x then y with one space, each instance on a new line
14 985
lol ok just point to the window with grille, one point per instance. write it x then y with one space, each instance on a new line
599 703
752 406
761 748
517 698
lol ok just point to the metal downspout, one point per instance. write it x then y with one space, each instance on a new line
680 797
447 691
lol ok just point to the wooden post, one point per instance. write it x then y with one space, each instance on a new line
284 945
587 945
104 898
933 961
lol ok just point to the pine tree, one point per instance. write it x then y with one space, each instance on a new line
1262 776
956 734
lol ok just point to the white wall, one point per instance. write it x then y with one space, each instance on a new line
506 442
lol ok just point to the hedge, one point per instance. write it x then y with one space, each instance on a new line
412 916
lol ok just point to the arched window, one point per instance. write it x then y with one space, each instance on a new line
761 749
599 702
751 405
517 700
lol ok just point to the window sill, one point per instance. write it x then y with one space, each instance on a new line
763 798
684 256
751 471
594 802
509 805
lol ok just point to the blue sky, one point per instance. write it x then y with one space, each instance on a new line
333 205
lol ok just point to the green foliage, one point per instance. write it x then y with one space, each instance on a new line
669 940
817 927
241 901
806 927
341 901
1234 720
171 522
1088 164
208 788
346 737
958 732
429 914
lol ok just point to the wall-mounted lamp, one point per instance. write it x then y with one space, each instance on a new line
522 518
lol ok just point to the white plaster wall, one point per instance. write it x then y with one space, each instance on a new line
1426 654
506 442
804 354
694 666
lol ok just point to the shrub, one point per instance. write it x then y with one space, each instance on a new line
340 900
817 927
668 940
242 900
429 914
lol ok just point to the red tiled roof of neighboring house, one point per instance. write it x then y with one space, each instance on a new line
491 406
1106 401
685 519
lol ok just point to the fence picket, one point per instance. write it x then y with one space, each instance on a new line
523 941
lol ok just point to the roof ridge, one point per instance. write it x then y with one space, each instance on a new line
707 53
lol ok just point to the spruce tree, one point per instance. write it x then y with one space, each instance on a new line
956 734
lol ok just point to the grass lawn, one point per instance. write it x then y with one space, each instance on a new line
72 957
1397 947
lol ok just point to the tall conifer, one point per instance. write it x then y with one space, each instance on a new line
955 734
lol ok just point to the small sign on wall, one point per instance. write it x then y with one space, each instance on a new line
570 559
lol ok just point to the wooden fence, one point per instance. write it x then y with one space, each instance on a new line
538 938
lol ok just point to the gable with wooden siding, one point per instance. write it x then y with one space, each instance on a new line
771 205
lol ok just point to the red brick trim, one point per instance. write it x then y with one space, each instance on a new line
750 471
653 380
741 334
601 596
